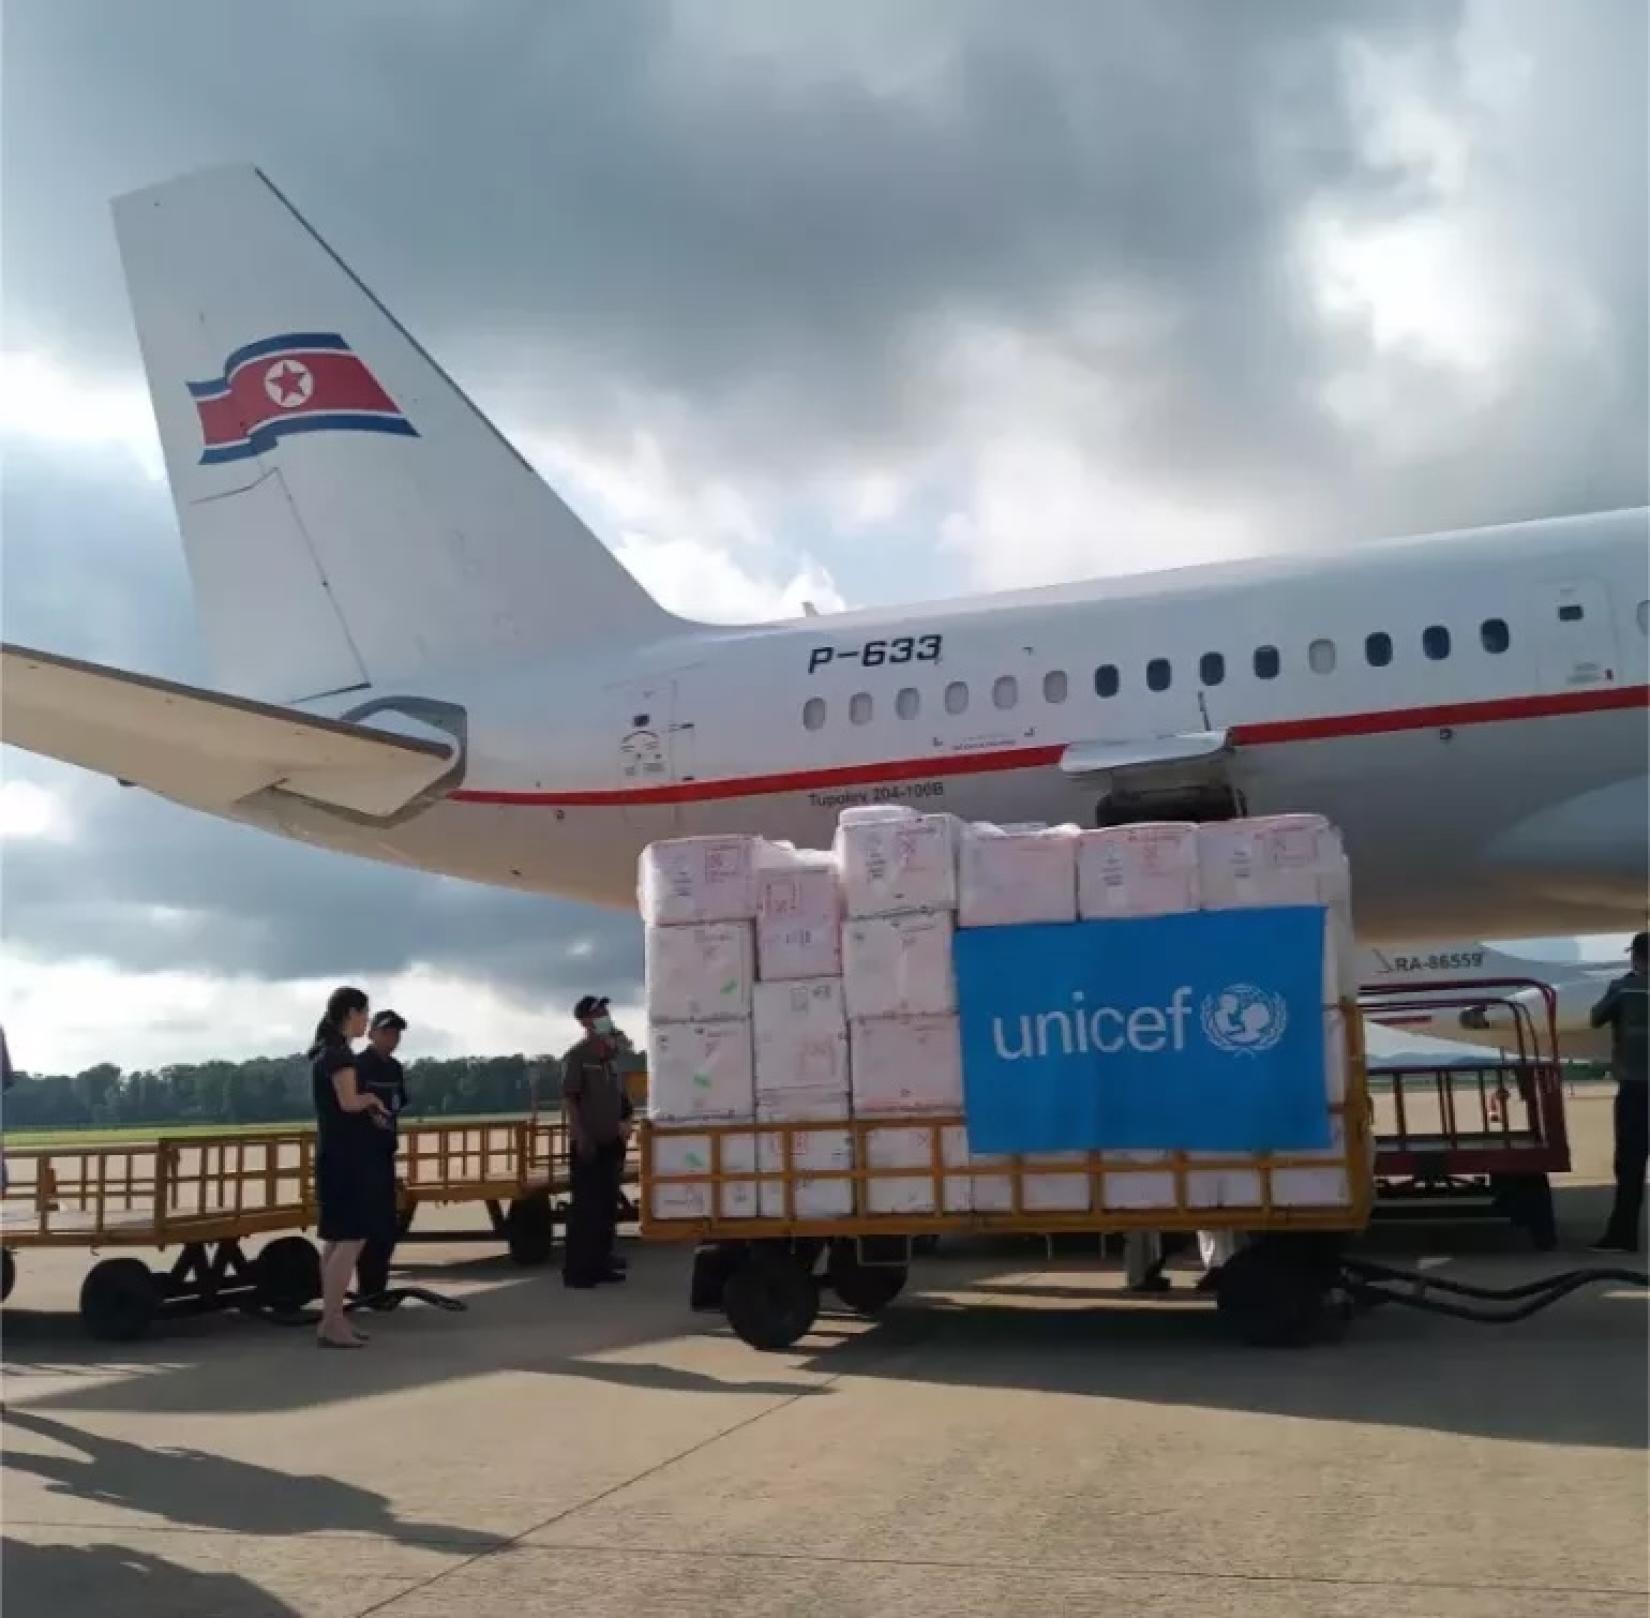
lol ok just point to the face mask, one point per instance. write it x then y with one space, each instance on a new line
603 1025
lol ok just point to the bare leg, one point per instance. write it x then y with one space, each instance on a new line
337 1266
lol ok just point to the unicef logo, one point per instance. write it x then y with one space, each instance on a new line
1244 1020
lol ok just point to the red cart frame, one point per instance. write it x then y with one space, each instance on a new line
1469 1130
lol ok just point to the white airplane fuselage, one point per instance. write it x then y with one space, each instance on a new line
509 705
1491 782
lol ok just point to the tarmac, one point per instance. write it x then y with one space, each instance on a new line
1010 1438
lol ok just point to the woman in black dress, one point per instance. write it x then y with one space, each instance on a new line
354 1179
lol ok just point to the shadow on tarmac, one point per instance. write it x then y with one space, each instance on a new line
57 1581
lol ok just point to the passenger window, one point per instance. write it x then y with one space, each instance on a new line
1495 635
1267 662
1320 656
1054 686
1211 668
1106 680
1005 692
1571 612
956 697
1378 649
859 708
1158 674
1435 642
908 704
813 713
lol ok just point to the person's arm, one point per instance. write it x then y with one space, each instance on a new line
572 1100
1605 1010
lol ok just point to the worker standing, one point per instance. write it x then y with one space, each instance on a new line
598 1110
1626 1009
380 1073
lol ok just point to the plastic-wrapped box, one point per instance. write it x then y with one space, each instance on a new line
894 860
814 1152
701 1070
1150 869
702 973
1272 860
801 1039
693 1154
1138 1180
682 881
798 916
897 966
906 1065
1010 876
892 1146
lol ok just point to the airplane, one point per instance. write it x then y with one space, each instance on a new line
424 657
1494 1022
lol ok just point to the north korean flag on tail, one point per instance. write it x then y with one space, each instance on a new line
302 382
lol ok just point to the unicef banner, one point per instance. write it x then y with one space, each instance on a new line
1200 1032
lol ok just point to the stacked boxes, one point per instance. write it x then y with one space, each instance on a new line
800 988
698 900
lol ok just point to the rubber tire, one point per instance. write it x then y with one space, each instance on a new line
8 1272
771 1301
289 1273
119 1299
867 1289
1272 1297
530 1231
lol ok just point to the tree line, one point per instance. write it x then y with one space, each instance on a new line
266 1090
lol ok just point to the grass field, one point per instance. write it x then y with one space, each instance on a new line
138 1134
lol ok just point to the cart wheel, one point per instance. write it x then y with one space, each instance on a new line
8 1273
530 1230
770 1300
119 1299
1273 1297
1528 1200
867 1289
288 1273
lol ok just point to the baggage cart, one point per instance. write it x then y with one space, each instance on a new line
1477 1134
762 1246
203 1196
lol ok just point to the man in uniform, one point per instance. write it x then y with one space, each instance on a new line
379 1073
598 1110
1626 1009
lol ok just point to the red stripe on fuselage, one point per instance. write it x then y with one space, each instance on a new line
1331 727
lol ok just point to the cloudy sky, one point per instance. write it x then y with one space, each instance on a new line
851 304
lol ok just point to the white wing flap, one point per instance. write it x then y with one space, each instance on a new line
200 747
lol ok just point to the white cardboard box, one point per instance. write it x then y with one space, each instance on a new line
801 1038
1149 869
894 966
699 974
685 880
906 1065
1272 860
813 1152
692 1154
1011 876
798 918
893 862
890 1146
700 1070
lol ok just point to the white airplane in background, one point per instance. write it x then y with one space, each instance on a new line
1507 1015
427 659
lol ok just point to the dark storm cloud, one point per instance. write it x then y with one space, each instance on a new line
751 232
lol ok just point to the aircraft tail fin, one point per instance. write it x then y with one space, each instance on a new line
348 514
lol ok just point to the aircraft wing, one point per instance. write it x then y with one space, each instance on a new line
203 748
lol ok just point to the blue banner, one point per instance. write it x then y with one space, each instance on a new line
1200 1032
